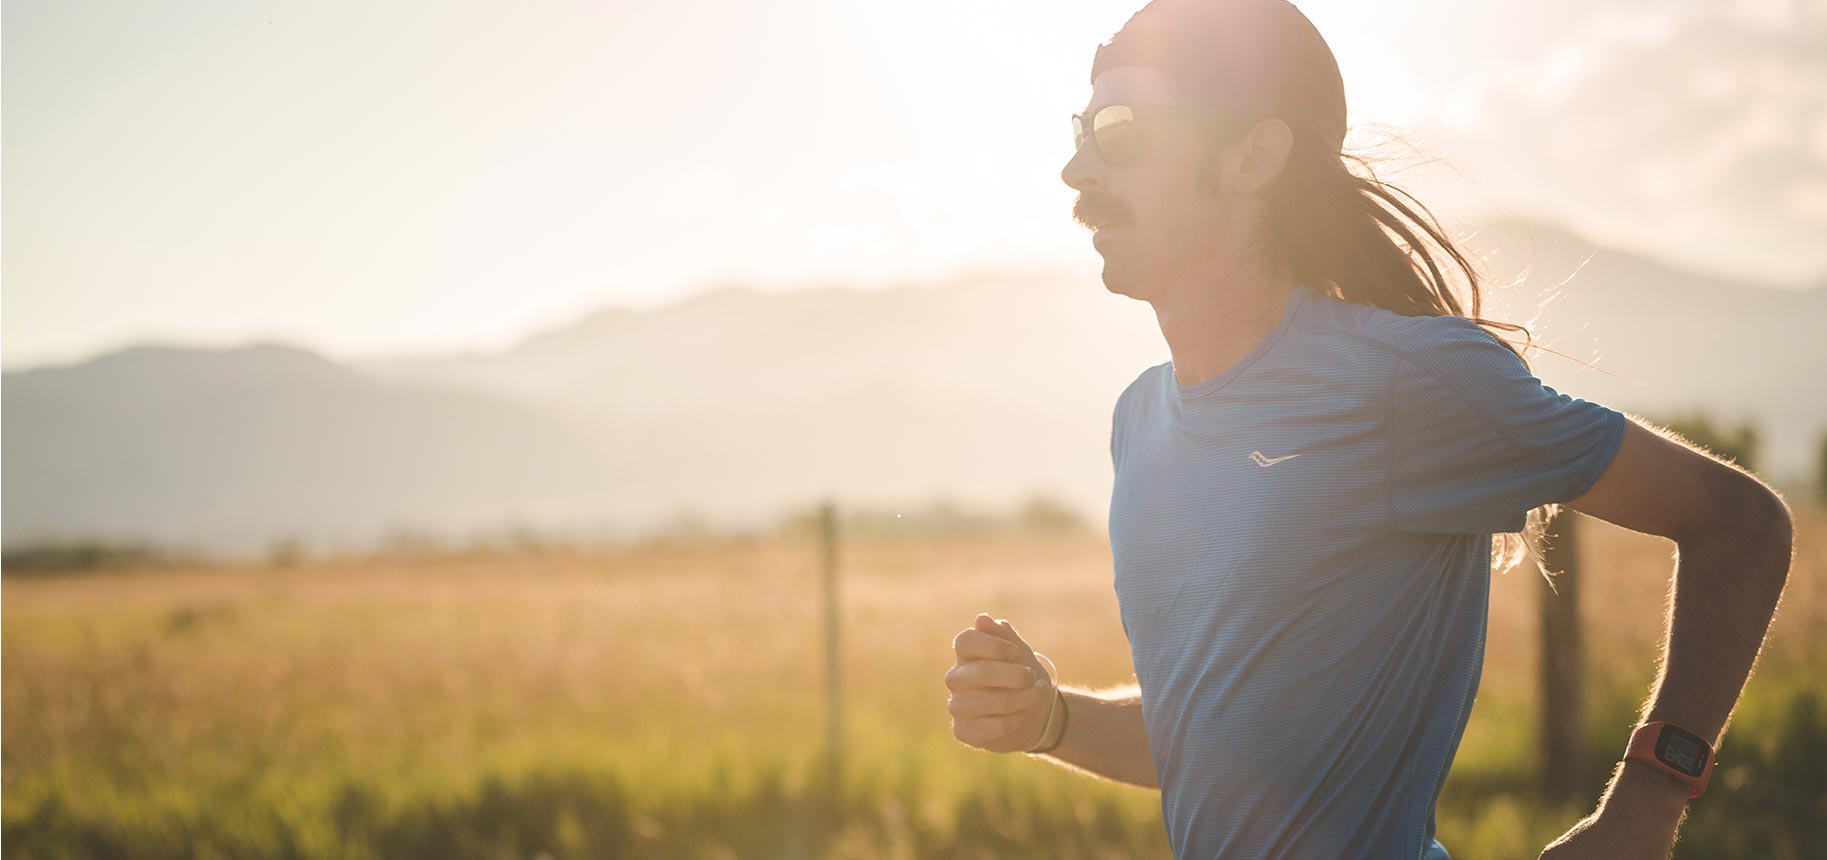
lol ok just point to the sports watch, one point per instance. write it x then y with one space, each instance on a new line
1675 751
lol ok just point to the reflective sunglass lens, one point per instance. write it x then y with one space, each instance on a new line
1115 129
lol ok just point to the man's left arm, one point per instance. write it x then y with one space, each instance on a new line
1733 537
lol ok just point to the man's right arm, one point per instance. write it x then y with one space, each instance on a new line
1002 695
1105 737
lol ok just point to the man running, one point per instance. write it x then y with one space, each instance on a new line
1306 494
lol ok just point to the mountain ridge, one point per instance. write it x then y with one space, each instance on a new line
741 402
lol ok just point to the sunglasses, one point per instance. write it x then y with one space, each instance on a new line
1118 135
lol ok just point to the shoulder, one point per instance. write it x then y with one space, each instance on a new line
1126 404
1414 337
1448 349
1149 379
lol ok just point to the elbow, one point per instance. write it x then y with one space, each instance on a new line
1754 520
1783 526
1774 523
1780 541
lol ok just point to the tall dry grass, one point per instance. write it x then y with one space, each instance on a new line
667 702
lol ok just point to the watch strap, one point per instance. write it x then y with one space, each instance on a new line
1686 751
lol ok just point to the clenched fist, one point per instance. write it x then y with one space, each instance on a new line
1003 692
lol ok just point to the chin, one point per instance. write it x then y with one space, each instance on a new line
1118 280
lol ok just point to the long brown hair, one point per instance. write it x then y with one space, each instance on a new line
1367 241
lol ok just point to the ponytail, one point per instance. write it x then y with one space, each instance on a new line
1353 236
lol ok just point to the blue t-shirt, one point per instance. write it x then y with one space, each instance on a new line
1302 561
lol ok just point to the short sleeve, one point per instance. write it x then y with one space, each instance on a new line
1477 441
1116 418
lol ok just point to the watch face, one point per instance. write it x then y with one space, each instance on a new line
1682 750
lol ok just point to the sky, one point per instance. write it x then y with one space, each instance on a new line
381 179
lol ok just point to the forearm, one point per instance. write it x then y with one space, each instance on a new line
1728 579
1105 736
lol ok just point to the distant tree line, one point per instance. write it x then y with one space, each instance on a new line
51 558
1039 512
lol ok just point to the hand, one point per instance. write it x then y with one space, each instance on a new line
1002 691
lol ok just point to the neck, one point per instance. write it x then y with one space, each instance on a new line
1211 326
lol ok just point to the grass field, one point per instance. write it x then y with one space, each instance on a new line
667 702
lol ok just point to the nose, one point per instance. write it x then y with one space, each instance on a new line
1081 172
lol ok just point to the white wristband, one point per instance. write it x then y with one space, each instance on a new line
1046 730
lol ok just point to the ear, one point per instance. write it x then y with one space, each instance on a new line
1265 154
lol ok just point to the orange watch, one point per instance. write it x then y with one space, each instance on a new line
1675 751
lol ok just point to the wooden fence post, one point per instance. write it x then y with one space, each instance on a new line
1562 667
833 696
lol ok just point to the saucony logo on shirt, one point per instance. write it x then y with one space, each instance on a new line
1265 462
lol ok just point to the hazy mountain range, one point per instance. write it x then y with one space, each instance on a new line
738 404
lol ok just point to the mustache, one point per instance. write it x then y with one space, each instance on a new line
1093 208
